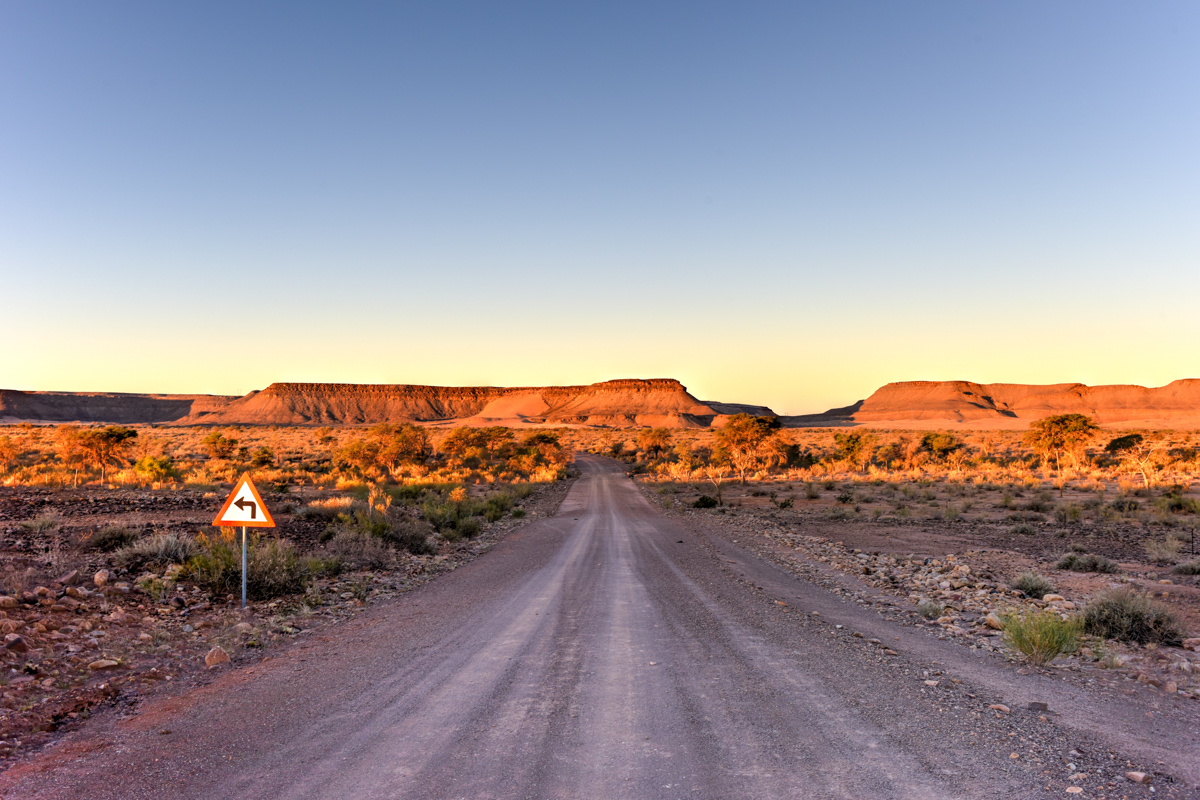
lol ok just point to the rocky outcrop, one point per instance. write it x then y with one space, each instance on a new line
1014 405
619 403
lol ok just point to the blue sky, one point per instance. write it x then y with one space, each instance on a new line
780 203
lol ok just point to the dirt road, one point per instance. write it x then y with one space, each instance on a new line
611 653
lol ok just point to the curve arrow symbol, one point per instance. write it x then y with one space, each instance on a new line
242 502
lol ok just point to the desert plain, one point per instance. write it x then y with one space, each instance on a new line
619 590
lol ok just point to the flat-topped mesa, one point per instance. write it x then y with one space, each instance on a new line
1175 405
617 402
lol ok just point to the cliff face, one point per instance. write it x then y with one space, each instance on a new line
115 408
662 402
1014 405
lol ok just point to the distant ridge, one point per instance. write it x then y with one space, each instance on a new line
661 402
930 404
619 403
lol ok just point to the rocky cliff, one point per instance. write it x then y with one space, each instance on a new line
964 404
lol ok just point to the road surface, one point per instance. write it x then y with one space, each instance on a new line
607 652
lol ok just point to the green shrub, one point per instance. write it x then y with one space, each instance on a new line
1041 636
1130 617
930 610
112 537
845 497
468 527
1068 514
705 501
1125 505
518 513
1089 562
161 549
273 567
1033 585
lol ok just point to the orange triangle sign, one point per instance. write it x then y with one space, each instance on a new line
244 507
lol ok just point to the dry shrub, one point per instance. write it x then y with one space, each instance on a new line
1033 585
161 549
112 537
1086 562
273 567
359 550
1130 617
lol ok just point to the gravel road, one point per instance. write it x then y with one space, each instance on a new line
609 652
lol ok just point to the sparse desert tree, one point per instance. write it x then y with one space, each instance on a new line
107 447
1140 454
742 442
9 452
654 441
939 445
717 474
219 446
1059 435
403 444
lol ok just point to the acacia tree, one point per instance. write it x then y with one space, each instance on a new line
654 441
1062 434
8 452
742 442
855 448
107 447
1138 454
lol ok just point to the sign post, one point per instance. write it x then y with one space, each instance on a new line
244 508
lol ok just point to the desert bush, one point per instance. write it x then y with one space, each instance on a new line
161 549
1086 562
1033 585
413 536
518 513
1068 514
1175 503
811 492
1125 505
1040 505
327 509
845 497
359 550
273 567
1163 551
1041 636
112 537
705 501
1024 530
1188 568
930 610
1130 617
43 524
497 506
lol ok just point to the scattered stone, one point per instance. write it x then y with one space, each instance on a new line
216 657
1003 709
16 643
993 621
70 579
101 578
8 601
103 663
1171 687
1074 790
1138 777
1036 706
244 627
931 683
1053 598
1191 644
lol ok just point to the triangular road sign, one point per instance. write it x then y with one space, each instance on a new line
245 507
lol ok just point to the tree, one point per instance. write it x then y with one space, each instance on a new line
1138 454
742 441
70 449
219 446
8 452
1062 434
854 448
939 445
404 444
107 447
654 441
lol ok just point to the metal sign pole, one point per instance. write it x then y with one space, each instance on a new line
243 566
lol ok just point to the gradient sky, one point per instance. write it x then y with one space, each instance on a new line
781 203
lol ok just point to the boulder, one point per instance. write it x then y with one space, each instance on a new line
216 657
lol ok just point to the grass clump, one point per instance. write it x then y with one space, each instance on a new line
112 537
41 524
705 501
1127 616
1086 562
1033 585
162 549
1041 636
1188 568
1024 530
